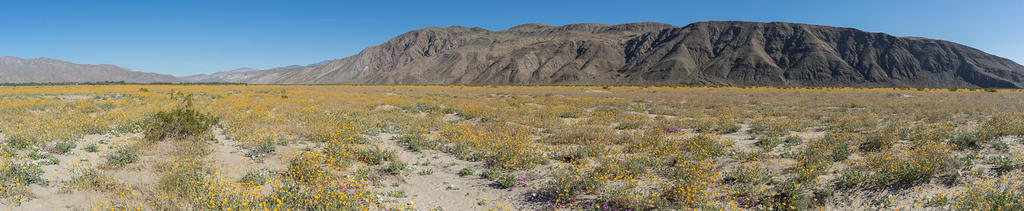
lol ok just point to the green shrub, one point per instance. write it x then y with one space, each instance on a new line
122 157
375 155
23 173
466 172
395 167
20 142
490 174
630 125
416 143
505 181
64 146
261 149
91 148
254 178
177 124
91 179
968 140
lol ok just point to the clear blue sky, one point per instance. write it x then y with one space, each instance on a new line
190 37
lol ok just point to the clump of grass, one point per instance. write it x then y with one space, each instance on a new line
122 157
426 172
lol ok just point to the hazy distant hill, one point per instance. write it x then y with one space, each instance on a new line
47 70
704 53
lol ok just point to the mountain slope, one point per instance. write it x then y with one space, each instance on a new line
47 70
704 53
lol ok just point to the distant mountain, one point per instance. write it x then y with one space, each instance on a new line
703 53
47 70
240 74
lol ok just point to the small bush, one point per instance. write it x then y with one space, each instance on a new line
629 125
122 157
20 142
505 181
466 172
22 173
490 175
255 178
177 124
91 148
416 143
64 146
968 140
375 156
395 167
91 179
261 149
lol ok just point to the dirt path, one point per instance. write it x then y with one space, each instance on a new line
443 188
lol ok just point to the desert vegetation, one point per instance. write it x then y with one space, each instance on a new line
253 147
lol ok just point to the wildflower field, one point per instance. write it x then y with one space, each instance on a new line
271 147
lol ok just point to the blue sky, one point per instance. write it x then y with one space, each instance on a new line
190 37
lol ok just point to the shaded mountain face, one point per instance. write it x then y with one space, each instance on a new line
704 53
47 70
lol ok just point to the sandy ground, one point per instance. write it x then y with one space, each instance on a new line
444 189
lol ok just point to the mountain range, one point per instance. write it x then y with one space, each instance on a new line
702 53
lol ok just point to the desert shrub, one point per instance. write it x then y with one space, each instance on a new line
577 154
568 183
490 174
631 125
261 149
64 146
91 148
466 172
505 181
818 155
749 173
395 167
20 142
375 155
91 179
254 178
689 181
179 123
877 142
123 156
1005 164
968 140
416 143
853 178
911 166
1002 193
23 173
790 195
